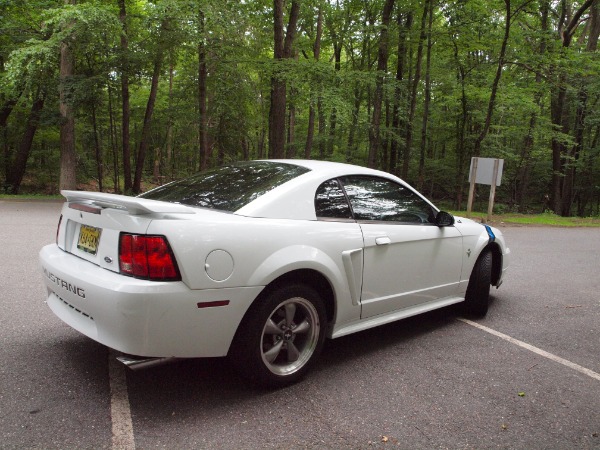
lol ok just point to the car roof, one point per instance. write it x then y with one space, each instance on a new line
331 168
295 198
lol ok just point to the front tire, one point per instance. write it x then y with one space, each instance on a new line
478 291
280 337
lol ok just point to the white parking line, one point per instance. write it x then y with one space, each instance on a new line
120 412
545 354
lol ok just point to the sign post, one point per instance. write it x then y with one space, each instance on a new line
484 171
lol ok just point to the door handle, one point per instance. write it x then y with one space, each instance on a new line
383 240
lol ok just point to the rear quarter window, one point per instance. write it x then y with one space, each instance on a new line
331 202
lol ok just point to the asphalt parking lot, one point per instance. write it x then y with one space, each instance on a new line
526 377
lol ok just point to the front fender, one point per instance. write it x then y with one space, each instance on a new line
475 240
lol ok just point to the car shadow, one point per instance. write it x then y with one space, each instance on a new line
201 389
395 334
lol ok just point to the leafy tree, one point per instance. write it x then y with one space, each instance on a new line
161 88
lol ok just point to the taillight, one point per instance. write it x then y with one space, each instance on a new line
58 228
148 257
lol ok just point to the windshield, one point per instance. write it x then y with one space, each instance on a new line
227 188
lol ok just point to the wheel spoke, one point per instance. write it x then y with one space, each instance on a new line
271 327
290 312
290 336
292 352
303 327
271 354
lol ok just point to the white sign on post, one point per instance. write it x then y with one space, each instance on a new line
485 171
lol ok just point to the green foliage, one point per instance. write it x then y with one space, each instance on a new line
237 40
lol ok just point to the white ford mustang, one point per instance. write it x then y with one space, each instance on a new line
261 261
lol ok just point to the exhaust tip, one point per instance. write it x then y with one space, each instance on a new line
139 363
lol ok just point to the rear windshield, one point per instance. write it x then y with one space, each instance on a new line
227 188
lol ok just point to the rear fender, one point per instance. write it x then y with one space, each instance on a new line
298 257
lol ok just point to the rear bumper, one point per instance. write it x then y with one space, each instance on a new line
139 317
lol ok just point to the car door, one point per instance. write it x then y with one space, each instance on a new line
408 260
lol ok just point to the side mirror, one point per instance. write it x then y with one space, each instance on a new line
444 219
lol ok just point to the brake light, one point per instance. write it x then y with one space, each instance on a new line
147 257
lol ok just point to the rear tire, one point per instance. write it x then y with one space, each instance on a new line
478 290
280 337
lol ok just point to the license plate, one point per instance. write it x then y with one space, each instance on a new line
88 239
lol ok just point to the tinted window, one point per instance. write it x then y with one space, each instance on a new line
330 201
374 198
227 188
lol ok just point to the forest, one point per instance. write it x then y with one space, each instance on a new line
122 95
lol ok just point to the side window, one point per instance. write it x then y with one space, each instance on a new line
374 198
331 203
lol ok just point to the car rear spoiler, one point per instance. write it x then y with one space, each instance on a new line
133 205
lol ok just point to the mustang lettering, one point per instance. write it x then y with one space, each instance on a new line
64 284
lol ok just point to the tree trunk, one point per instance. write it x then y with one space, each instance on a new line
310 132
499 69
290 148
97 150
4 113
245 149
220 140
561 200
385 141
113 140
277 119
594 36
126 113
202 99
15 175
311 111
413 95
359 91
568 189
144 140
382 58
68 155
6 110
291 129
322 127
524 170
282 50
355 114
261 143
461 130
170 120
404 30
587 174
427 101
337 52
